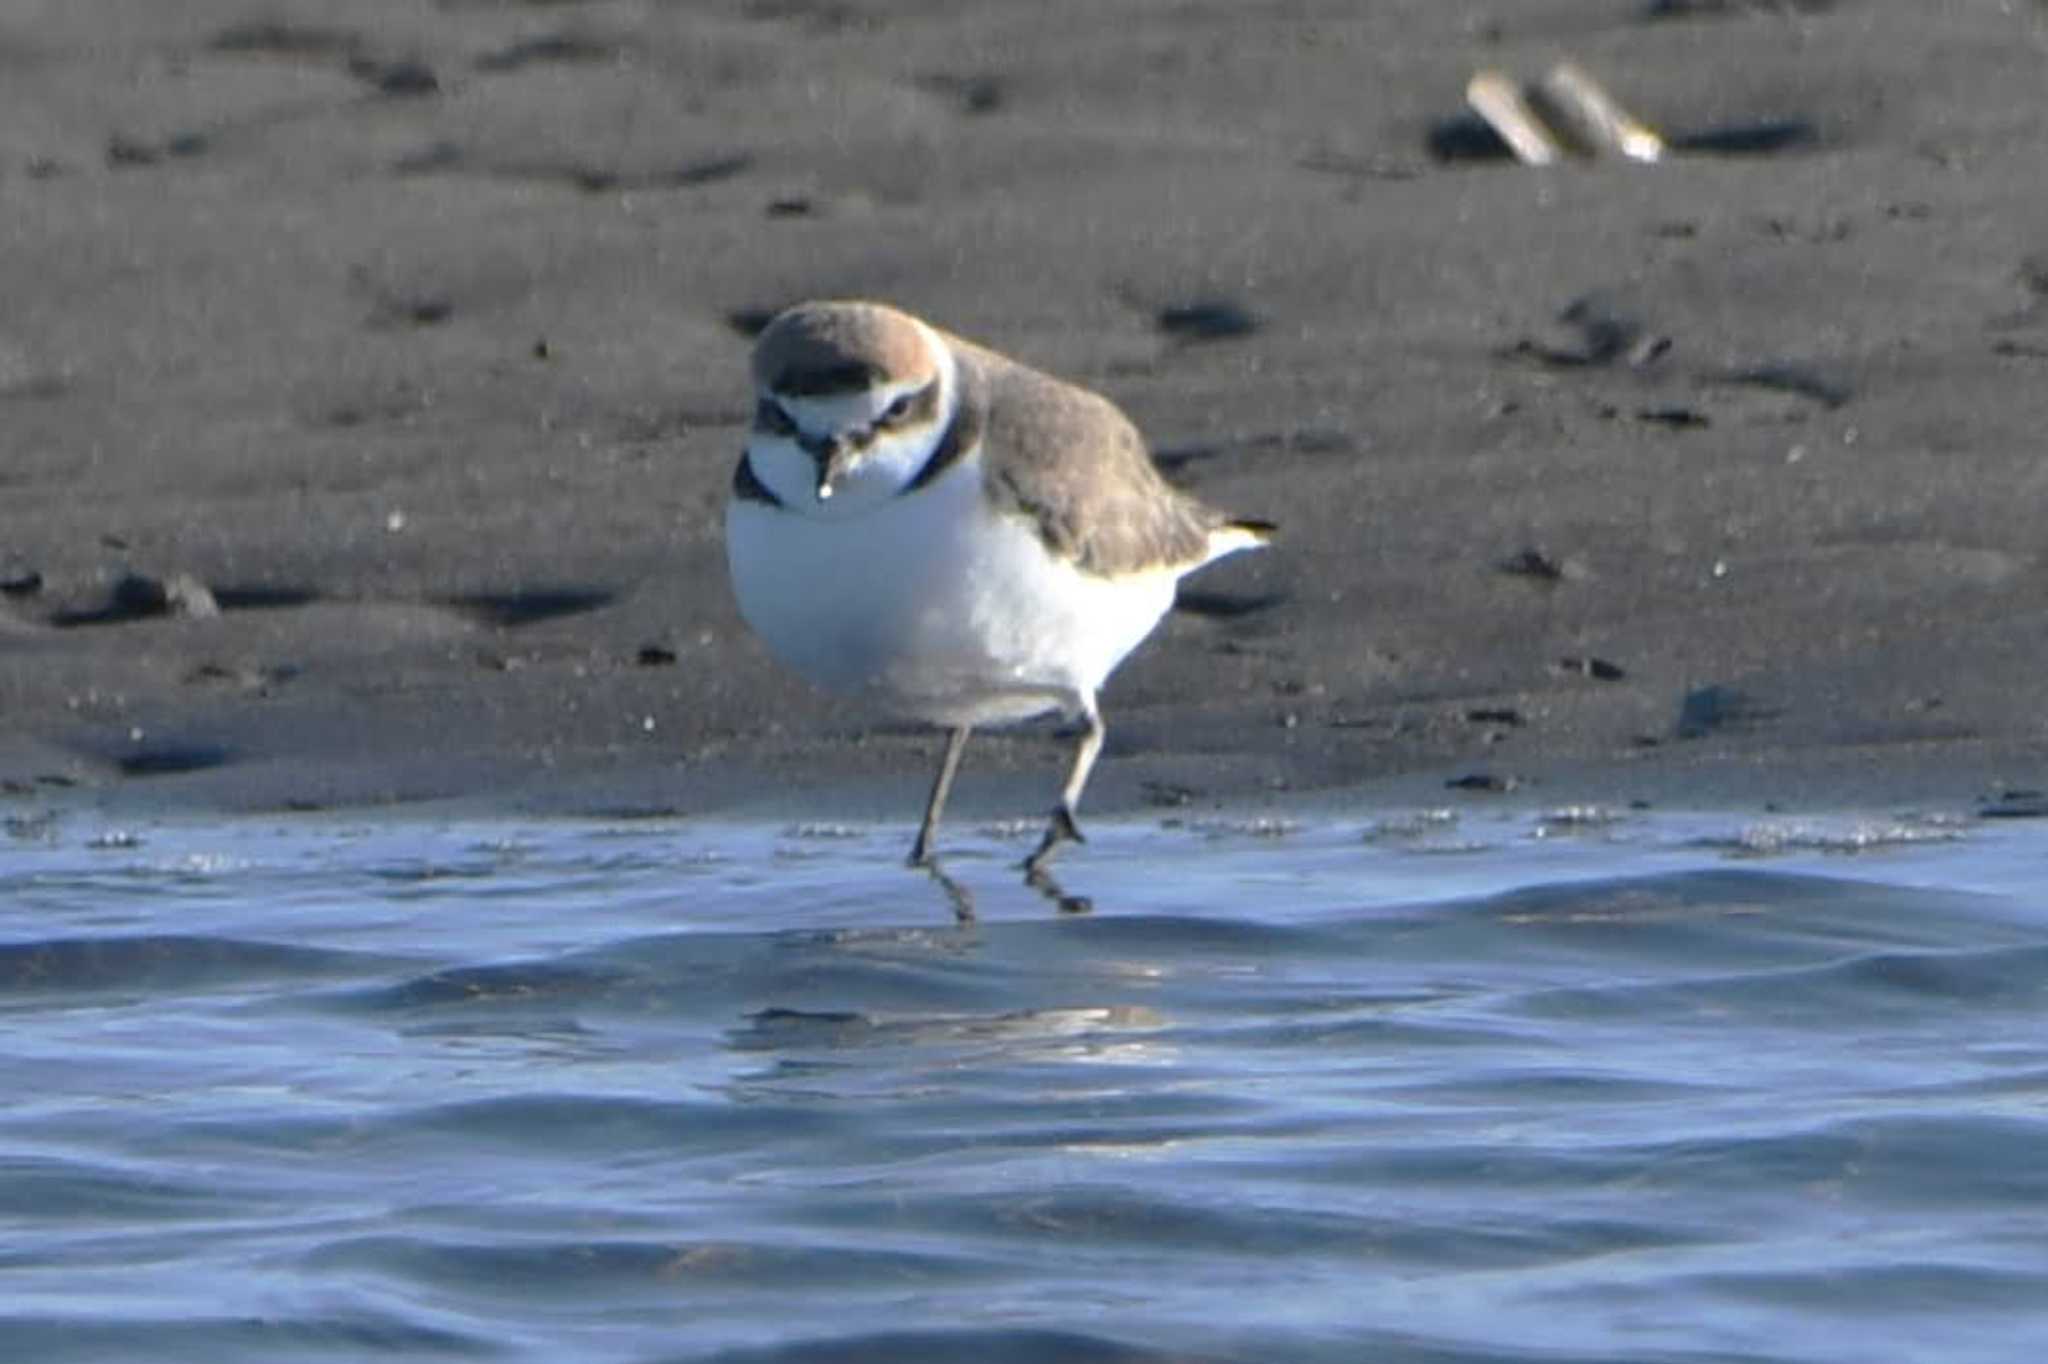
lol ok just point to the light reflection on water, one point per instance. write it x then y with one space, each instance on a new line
1568 1084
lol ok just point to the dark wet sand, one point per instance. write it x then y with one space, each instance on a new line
414 335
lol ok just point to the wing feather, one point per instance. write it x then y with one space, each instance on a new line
1072 463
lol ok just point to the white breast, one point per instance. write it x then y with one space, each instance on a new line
933 606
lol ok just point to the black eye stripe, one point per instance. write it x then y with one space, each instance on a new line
908 409
911 407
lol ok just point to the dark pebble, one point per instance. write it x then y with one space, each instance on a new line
1707 709
1531 563
403 78
1597 668
2015 804
1674 418
1487 783
171 759
1207 320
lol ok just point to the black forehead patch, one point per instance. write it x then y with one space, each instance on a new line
819 382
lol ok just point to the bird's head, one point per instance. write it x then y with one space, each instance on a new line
851 399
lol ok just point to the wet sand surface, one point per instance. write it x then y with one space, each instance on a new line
371 380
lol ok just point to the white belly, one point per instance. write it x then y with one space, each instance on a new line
934 608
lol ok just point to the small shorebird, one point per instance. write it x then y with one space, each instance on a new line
928 526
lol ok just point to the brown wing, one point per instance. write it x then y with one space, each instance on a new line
1074 464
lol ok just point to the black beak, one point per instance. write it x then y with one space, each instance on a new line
831 454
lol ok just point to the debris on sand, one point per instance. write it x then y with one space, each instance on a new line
1566 113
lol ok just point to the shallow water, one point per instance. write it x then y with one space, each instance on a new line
1519 1088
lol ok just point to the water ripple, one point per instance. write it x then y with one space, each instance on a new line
163 963
1315 1092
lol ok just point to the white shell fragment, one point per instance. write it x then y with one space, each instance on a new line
1568 112
1497 97
1596 119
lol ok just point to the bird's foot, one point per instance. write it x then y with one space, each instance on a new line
1040 880
1060 829
957 894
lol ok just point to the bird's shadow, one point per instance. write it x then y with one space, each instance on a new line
1041 880
958 894
1038 878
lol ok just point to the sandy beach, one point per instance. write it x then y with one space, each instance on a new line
371 379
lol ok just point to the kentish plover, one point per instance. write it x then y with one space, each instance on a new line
928 526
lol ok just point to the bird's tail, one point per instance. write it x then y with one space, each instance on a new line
1232 536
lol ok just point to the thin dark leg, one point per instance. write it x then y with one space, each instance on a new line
1061 827
1041 880
942 785
957 894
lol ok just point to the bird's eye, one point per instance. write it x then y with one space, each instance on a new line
900 410
770 417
